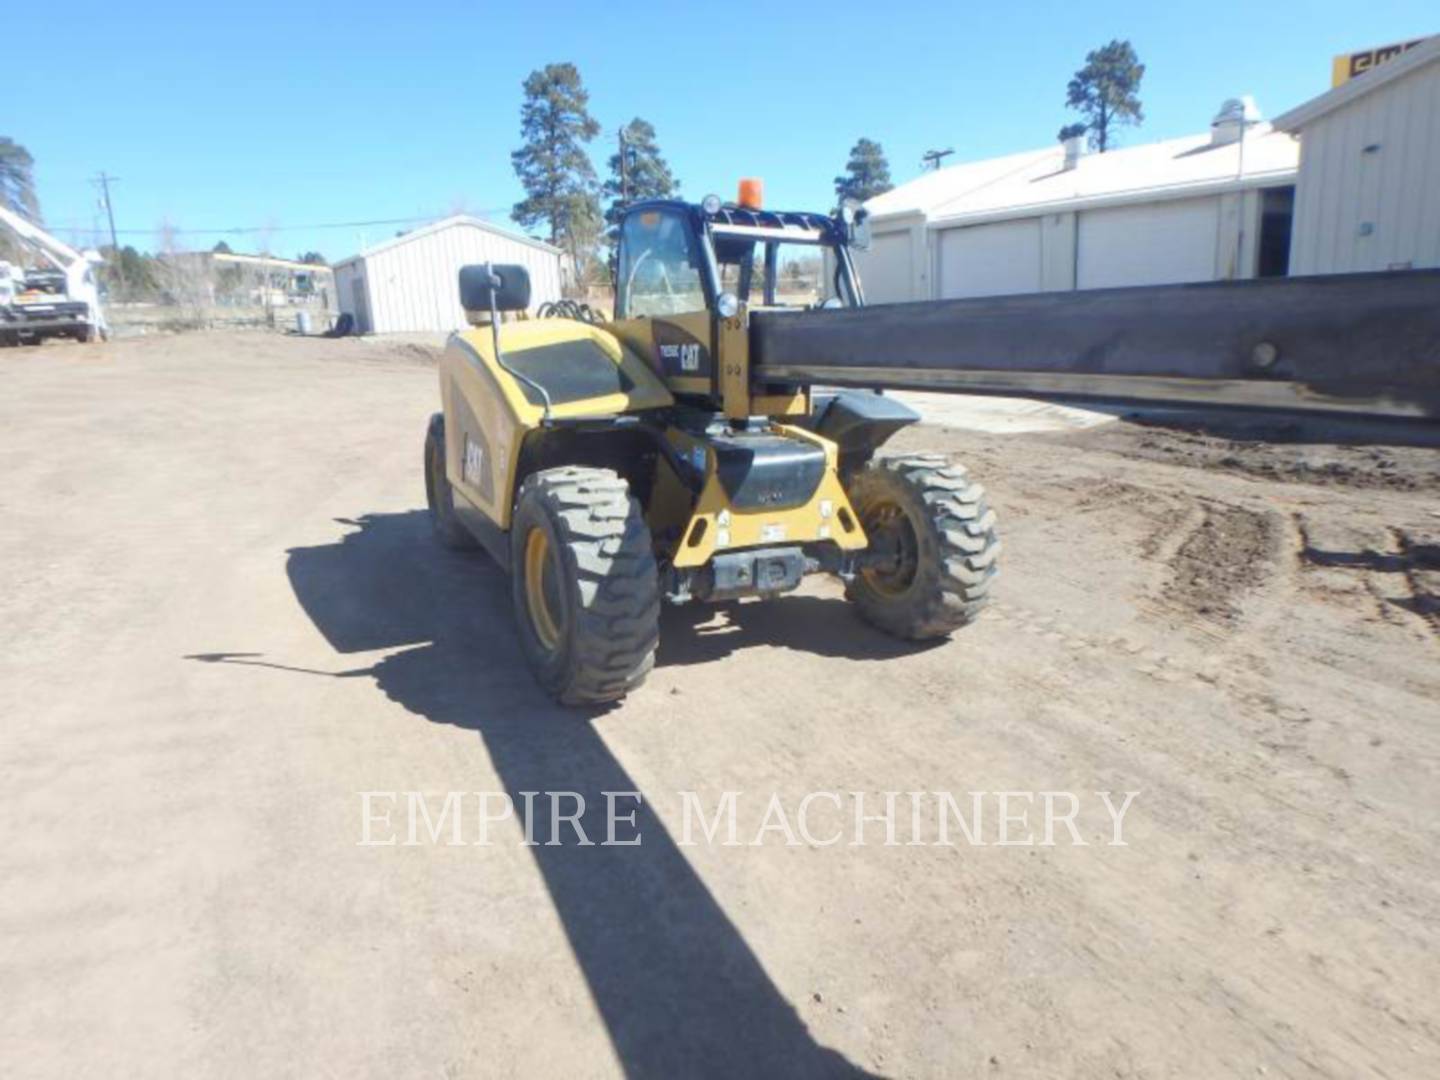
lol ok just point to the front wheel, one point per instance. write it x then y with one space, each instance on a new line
932 554
586 586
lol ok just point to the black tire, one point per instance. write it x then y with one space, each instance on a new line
588 604
939 532
439 495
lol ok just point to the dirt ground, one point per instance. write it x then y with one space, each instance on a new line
224 619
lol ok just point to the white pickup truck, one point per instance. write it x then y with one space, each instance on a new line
62 300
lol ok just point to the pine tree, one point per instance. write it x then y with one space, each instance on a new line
559 180
17 179
1106 92
869 173
132 268
645 175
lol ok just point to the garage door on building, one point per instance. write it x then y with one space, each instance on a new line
990 260
1150 244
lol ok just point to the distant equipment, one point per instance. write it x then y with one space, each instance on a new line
60 299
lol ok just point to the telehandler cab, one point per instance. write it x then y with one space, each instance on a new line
677 452
609 467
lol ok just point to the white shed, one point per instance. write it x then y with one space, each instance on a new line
1205 207
1368 196
410 283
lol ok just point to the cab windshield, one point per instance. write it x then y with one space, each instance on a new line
665 264
779 267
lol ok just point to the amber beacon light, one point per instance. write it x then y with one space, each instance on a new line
752 193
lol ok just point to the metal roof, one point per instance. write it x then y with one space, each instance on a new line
266 260
445 223
1036 181
1411 59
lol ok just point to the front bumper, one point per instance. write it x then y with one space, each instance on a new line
37 318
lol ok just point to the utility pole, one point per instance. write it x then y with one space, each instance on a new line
104 182
932 158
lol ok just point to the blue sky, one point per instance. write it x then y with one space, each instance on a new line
290 115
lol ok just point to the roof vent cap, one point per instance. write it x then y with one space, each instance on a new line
1234 117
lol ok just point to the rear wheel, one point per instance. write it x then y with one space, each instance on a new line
586 587
438 493
933 548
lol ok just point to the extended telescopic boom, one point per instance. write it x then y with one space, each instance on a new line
1366 344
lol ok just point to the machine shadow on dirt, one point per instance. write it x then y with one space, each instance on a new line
680 991
825 626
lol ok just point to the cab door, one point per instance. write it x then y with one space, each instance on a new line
662 298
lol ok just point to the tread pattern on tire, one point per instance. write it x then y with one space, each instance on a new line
958 542
616 628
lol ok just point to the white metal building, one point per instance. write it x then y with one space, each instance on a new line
1200 208
410 283
1368 194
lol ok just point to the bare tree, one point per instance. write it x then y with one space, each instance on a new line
183 278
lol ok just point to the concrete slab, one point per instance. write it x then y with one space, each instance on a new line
1001 415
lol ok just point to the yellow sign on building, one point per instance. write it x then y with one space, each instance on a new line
1345 67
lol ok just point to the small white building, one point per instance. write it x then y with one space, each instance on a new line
411 282
1205 207
1368 195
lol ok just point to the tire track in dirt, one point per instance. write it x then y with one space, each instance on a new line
1212 553
1231 552
1212 669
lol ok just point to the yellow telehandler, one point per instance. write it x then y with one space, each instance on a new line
678 453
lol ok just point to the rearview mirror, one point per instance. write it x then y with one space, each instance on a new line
506 286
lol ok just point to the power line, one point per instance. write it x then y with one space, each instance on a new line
235 230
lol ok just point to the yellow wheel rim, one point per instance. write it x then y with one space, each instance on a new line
541 583
887 524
